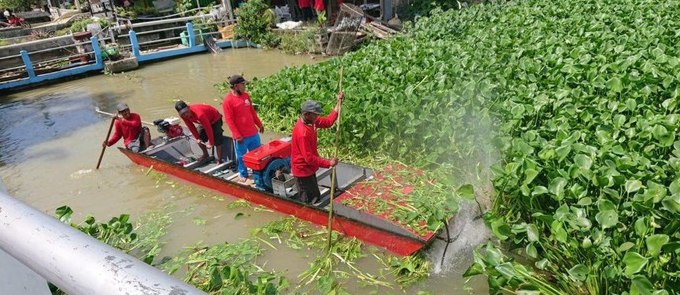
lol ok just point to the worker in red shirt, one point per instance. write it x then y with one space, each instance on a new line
129 126
242 120
306 7
209 132
305 159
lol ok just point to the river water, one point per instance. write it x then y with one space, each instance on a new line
50 139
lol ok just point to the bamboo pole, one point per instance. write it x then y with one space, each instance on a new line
334 169
113 120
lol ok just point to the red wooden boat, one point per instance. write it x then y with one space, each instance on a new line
275 189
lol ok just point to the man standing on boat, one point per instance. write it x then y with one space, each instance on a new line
209 131
305 159
242 120
128 125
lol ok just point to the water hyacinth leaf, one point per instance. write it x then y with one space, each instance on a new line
583 161
500 229
655 191
539 190
634 263
467 191
633 185
659 131
556 187
542 264
531 250
641 285
655 243
604 204
507 270
586 243
493 255
529 174
675 186
672 203
563 151
473 270
641 226
579 272
585 201
625 247
532 233
558 232
607 218
615 84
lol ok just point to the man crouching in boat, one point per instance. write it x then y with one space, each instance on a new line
209 132
128 125
305 159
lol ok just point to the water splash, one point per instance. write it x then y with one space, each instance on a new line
80 173
466 231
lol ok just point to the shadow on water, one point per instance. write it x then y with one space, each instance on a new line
28 121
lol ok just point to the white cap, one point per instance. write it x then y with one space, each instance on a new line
6 13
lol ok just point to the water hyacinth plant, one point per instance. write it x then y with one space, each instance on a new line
581 99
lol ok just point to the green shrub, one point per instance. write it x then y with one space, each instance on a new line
254 23
81 25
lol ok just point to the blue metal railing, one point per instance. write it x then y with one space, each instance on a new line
192 35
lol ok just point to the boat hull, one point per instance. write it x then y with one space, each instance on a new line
394 242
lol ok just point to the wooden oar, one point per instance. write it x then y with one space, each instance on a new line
334 170
112 115
113 120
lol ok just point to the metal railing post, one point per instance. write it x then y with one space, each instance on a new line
190 34
97 51
28 64
134 43
75 262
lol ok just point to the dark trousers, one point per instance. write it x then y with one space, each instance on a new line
307 14
309 189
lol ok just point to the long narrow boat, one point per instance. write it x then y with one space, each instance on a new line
275 189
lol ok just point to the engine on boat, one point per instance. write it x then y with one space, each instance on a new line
271 167
169 127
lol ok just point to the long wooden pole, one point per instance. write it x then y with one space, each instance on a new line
113 120
334 170
111 114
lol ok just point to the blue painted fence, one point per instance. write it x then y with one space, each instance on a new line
34 78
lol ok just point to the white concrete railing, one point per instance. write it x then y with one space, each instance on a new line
75 262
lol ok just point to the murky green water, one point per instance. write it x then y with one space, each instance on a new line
50 140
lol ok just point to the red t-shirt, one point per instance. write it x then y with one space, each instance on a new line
240 115
305 159
318 5
304 3
127 129
206 116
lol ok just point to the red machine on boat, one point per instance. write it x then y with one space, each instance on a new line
269 161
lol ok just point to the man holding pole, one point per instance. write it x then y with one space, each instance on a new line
305 159
128 125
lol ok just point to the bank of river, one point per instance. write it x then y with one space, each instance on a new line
50 139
